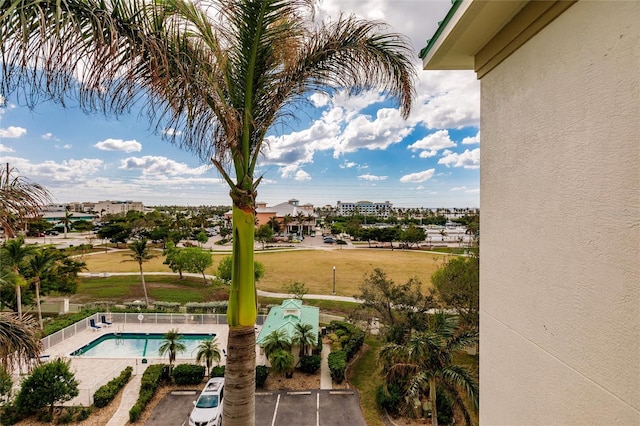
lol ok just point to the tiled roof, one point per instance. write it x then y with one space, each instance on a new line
286 316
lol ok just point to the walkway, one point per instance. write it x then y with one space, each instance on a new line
325 373
129 397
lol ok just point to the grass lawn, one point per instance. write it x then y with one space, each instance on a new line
365 376
314 268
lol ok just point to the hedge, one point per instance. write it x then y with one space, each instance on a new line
310 363
262 372
105 394
217 371
337 365
352 337
187 374
151 379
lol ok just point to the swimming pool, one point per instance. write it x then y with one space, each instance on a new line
136 345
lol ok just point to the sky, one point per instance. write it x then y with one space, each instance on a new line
339 149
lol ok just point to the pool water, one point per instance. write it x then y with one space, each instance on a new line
135 345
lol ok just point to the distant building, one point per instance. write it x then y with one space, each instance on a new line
364 208
117 207
290 212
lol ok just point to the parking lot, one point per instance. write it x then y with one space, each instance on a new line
277 408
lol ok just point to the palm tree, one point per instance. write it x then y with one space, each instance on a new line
304 336
277 340
300 219
208 351
281 362
225 79
274 223
66 220
14 255
141 253
171 345
286 220
19 340
20 201
39 264
425 362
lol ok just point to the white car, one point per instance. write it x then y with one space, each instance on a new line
207 410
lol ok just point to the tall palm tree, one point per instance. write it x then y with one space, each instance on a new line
286 220
20 200
39 264
225 72
15 254
208 351
66 220
304 336
140 253
277 340
171 345
19 340
425 362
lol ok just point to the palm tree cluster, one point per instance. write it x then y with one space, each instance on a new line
23 265
19 340
222 73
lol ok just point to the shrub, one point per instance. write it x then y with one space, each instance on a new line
217 371
337 365
262 372
39 390
350 337
65 417
390 399
318 349
83 413
105 394
150 381
310 364
63 321
187 374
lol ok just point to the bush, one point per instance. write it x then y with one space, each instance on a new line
187 374
63 321
350 337
217 371
262 372
318 349
151 379
337 365
310 364
83 413
105 394
65 417
390 399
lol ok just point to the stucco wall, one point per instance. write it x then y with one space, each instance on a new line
560 202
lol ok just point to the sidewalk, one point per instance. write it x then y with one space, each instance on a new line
129 397
325 373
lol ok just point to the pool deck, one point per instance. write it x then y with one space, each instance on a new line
93 372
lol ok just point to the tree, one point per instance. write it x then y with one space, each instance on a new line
195 260
47 385
208 351
277 340
225 269
281 362
412 235
243 69
202 237
19 340
172 258
82 225
304 336
274 224
40 264
457 285
264 234
295 289
171 345
20 201
397 306
140 253
424 362
66 221
14 255
286 220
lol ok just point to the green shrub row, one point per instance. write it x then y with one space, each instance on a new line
217 371
337 365
262 372
105 394
167 306
64 321
318 349
151 379
187 374
218 307
351 337
310 363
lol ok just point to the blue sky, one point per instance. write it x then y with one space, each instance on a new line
341 149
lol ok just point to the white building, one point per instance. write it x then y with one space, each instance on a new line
117 207
560 200
364 208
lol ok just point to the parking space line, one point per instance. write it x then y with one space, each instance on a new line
275 412
318 409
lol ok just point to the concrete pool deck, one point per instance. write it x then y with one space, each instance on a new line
93 372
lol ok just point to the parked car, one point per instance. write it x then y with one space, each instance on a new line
329 240
207 410
52 232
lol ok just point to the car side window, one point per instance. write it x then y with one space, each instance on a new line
221 393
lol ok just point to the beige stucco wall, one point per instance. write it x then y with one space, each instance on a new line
560 202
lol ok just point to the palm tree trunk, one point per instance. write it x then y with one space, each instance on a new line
239 402
19 299
432 398
38 302
144 287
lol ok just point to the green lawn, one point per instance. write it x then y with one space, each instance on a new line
365 376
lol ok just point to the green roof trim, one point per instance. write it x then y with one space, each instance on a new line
441 26
286 316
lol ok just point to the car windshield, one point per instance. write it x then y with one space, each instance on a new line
207 401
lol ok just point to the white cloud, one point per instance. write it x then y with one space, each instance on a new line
302 176
471 140
348 164
65 146
431 144
418 177
4 148
67 171
466 190
119 145
372 178
319 100
12 132
47 136
364 133
468 159
160 166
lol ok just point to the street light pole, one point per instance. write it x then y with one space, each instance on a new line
334 280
